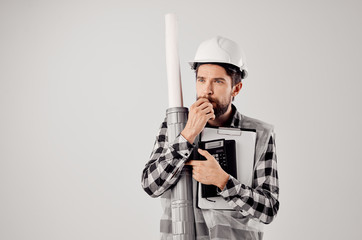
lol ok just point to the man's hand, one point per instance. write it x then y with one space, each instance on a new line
200 112
209 171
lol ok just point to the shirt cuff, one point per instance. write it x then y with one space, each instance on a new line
182 146
231 188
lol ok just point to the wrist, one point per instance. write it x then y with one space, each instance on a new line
224 177
189 136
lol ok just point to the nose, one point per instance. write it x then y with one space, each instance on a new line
208 89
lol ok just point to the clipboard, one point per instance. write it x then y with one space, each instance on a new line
245 140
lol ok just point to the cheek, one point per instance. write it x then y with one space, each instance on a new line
198 93
223 93
198 89
226 99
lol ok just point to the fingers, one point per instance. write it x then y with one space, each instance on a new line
206 108
199 102
204 153
201 106
211 115
205 105
193 163
199 113
196 173
189 163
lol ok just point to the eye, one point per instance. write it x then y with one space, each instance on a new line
200 80
219 81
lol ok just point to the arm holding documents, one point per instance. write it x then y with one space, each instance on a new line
261 199
253 188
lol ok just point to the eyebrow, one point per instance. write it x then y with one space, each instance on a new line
223 79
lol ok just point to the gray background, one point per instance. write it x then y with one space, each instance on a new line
83 92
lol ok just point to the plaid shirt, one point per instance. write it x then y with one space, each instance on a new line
259 202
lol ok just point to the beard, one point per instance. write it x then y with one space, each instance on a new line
219 108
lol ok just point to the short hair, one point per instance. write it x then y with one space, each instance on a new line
231 70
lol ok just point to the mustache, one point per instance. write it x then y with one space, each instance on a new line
210 99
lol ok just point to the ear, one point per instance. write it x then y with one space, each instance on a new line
236 89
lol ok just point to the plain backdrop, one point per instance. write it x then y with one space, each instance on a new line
83 93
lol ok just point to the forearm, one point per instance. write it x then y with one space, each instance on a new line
259 203
261 200
165 165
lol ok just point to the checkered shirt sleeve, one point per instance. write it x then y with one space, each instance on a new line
166 162
261 200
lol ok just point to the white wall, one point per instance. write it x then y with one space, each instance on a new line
83 92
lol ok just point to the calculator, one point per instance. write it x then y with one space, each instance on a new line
224 152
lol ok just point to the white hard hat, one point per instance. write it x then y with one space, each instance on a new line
220 50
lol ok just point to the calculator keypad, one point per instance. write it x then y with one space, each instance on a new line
221 158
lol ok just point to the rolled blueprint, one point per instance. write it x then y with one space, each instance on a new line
183 223
172 63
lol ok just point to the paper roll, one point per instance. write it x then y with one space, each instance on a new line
172 62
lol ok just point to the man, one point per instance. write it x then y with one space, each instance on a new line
219 70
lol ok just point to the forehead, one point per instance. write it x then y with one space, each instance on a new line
211 70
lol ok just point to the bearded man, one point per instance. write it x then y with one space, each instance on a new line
219 70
